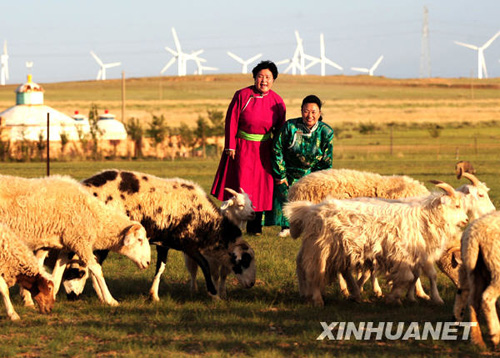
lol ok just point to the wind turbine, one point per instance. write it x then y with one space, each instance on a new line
369 70
179 56
101 75
481 63
245 63
323 60
4 62
200 67
298 61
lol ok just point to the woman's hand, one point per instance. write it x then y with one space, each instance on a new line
281 181
231 153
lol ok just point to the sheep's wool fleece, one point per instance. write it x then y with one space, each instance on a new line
177 208
15 257
58 212
347 183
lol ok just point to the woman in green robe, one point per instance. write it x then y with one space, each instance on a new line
303 145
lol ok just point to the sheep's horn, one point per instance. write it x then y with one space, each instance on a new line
475 181
231 191
445 186
242 191
460 172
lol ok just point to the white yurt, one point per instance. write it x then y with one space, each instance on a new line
110 128
27 120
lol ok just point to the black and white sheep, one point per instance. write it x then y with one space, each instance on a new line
400 237
57 212
238 209
179 215
19 265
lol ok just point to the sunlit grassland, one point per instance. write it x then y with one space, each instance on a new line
269 320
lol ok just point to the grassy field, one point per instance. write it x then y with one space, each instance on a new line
350 99
269 320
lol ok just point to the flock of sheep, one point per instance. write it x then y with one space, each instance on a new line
353 225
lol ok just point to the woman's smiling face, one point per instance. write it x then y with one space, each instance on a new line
310 114
264 80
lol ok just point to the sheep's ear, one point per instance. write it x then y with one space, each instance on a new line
456 259
227 204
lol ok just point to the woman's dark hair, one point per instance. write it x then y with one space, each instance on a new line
311 99
265 65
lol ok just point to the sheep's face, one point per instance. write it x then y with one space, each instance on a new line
242 261
135 246
454 209
240 205
477 200
41 289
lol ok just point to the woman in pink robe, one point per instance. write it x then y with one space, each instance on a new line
255 114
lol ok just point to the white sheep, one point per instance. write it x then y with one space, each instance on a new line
402 238
177 214
238 209
57 212
19 265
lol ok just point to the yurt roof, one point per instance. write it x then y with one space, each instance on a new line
34 115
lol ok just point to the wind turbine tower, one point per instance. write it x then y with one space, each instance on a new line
322 60
425 55
481 63
4 62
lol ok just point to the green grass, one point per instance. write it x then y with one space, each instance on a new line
269 320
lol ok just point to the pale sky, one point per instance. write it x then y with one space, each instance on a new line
59 35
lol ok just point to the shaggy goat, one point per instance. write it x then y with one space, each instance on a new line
238 209
480 276
57 212
177 214
19 265
402 238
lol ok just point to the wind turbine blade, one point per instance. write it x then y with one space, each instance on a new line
5 47
99 74
237 58
375 65
333 64
176 40
360 69
169 63
490 40
467 45
96 58
282 62
113 64
196 53
174 53
252 59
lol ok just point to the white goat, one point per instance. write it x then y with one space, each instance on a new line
402 238
480 276
238 209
